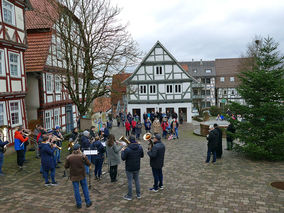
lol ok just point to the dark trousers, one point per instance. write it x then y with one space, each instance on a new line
158 177
20 157
98 167
113 172
209 151
127 133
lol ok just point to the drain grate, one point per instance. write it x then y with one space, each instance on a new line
278 185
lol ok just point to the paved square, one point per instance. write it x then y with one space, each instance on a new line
233 184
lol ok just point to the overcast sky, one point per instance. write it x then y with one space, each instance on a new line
203 29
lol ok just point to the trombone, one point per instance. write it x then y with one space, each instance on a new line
52 144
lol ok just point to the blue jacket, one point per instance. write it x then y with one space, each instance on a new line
59 143
157 154
2 144
85 142
97 145
132 155
17 145
47 156
106 133
147 125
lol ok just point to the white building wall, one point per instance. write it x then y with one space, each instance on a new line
176 106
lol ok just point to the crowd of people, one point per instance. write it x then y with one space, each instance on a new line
93 147
153 122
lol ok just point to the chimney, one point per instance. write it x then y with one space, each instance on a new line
201 62
192 60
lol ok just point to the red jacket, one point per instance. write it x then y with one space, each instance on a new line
133 123
164 125
18 135
127 126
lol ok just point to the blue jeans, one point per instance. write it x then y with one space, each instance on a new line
46 174
213 151
164 133
86 167
137 136
98 167
176 132
77 192
1 160
158 177
57 155
130 176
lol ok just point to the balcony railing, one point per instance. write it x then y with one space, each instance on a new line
198 96
198 85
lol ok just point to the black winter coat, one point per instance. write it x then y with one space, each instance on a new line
157 154
97 145
132 155
212 139
85 142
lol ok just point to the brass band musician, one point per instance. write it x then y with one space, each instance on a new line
3 143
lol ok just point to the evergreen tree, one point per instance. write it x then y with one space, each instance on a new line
261 133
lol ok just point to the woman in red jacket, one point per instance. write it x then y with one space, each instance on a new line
127 127
20 146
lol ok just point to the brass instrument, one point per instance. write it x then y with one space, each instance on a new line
124 139
46 142
3 133
148 137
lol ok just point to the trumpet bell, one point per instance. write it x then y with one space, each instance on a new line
147 136
124 139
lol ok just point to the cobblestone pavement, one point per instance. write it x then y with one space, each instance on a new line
233 184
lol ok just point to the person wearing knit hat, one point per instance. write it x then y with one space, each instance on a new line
85 145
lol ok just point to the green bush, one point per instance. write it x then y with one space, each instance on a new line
214 110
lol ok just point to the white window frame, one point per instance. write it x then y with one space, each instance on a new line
18 64
56 117
12 10
144 86
3 113
208 71
57 84
170 86
19 111
49 86
159 70
58 48
154 87
2 61
176 87
232 79
48 117
222 79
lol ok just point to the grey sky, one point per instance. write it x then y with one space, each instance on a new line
207 29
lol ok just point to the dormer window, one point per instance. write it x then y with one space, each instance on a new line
8 12
159 70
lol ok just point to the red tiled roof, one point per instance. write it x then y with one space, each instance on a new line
185 67
42 16
118 89
37 52
101 104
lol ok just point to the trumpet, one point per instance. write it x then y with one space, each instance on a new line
52 144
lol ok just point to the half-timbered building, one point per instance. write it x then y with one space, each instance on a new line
47 100
159 83
13 44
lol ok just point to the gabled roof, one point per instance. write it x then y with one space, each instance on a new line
158 44
102 104
38 18
37 51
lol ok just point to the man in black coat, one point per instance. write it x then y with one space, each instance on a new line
212 144
132 155
219 149
157 154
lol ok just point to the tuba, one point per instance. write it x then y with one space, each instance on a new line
124 139
148 137
3 133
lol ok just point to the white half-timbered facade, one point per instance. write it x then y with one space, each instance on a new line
159 83
13 44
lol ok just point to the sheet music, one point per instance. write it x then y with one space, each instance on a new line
90 152
103 143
